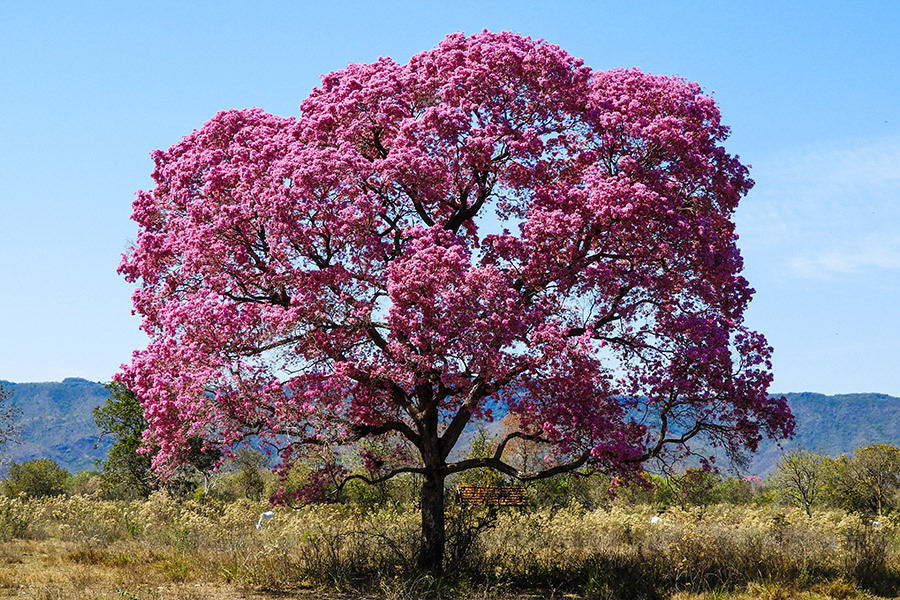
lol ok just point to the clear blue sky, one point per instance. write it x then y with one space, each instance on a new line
810 89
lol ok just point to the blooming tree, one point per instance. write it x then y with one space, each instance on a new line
492 227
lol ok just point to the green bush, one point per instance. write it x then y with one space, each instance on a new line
83 483
35 479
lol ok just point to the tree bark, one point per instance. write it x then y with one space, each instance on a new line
431 553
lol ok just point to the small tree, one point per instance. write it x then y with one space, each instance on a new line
481 445
35 479
127 470
800 478
869 480
493 225
83 483
734 490
248 478
693 487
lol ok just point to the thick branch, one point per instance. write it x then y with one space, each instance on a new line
663 440
614 313
507 469
361 431
501 447
464 212
461 418
381 478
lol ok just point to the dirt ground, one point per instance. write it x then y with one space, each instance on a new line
55 570
51 570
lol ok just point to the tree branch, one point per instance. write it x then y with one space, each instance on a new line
361 431
501 447
507 469
380 479
462 416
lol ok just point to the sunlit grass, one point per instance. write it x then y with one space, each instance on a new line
79 547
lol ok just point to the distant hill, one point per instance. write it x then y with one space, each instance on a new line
834 425
57 422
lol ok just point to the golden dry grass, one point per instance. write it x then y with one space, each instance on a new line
836 589
83 548
50 569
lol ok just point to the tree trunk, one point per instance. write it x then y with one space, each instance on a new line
431 553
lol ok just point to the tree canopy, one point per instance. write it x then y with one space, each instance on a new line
35 478
492 228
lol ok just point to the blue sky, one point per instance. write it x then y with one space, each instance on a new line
811 91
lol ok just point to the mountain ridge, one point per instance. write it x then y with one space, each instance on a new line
57 422
833 425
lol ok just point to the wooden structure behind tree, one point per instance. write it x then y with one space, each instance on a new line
491 495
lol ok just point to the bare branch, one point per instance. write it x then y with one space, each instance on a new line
501 447
507 469
381 478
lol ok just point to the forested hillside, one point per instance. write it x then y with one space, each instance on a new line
835 425
57 423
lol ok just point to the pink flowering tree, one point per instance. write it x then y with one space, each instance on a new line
491 228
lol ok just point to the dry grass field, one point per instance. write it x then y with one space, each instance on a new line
82 548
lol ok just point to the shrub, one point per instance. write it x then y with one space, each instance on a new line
35 478
13 523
